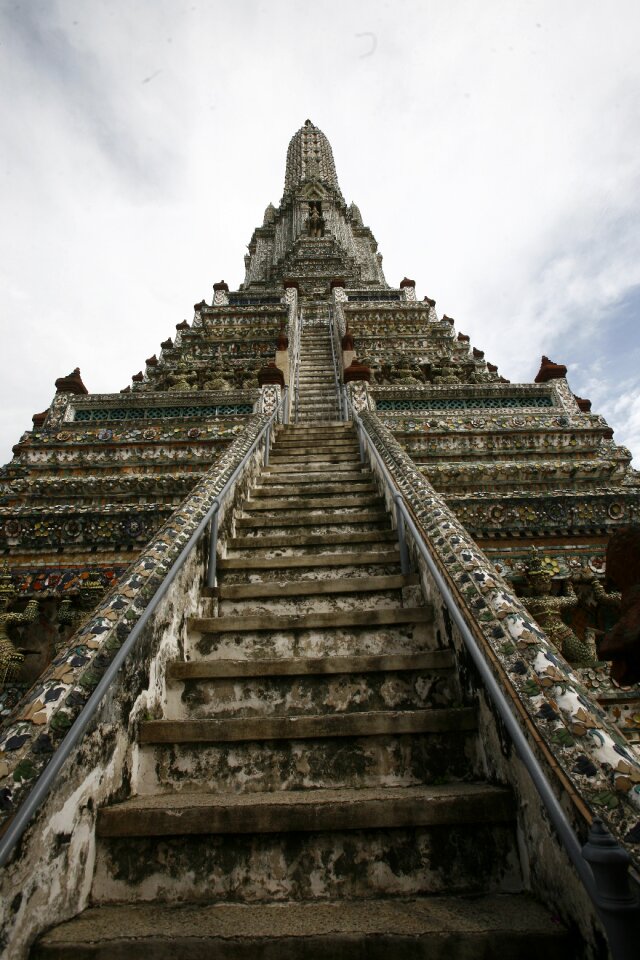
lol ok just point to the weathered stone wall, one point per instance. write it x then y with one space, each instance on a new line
50 875
585 758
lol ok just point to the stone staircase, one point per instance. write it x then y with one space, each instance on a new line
315 786
317 399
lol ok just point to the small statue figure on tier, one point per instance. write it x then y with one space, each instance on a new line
315 221
547 608
11 659
621 644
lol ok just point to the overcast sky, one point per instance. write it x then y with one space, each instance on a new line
492 148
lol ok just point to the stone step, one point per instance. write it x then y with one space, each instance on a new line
365 724
303 545
321 396
310 621
322 561
306 436
311 407
306 810
238 591
363 638
318 377
339 501
293 490
292 540
352 864
301 602
320 424
347 473
312 694
299 448
306 573
328 518
339 428
324 389
347 442
328 458
313 433
309 666
512 927
261 766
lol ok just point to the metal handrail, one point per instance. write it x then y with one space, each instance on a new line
46 780
298 349
336 379
607 884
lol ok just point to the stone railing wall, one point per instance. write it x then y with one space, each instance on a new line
590 751
49 877
584 756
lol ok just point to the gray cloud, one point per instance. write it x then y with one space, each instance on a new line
491 148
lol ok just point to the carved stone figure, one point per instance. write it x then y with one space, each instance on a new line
547 608
316 221
621 644
11 659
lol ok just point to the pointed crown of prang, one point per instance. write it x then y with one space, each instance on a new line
310 158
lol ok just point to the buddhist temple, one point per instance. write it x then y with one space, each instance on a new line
294 615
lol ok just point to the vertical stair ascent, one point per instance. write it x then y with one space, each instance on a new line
317 400
314 789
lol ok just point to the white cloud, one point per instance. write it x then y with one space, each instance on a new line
491 148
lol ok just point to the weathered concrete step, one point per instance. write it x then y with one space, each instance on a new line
222 698
313 471
296 451
327 518
309 394
238 591
310 480
310 545
322 560
308 574
288 540
326 386
375 723
311 408
290 502
321 392
309 445
325 641
309 621
335 428
309 666
512 927
306 810
302 602
311 438
300 865
289 459
258 766
341 428
321 423
270 489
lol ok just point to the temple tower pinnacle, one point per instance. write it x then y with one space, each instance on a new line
313 236
310 158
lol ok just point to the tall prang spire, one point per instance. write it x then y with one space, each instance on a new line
313 237
310 157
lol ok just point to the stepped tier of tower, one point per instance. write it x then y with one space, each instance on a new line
308 732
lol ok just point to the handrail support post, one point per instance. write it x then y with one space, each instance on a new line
213 546
405 565
617 906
